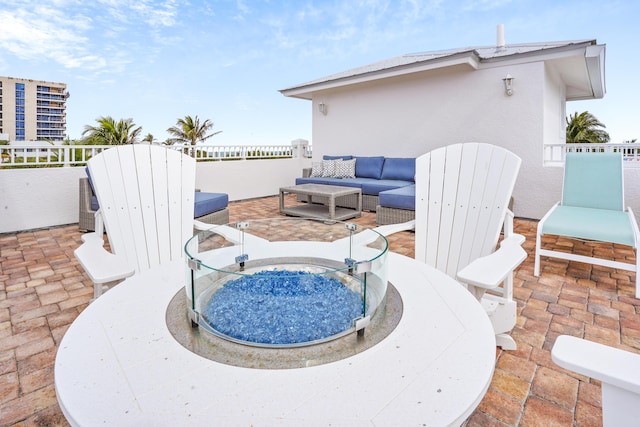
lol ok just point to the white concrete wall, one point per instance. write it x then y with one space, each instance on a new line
39 197
247 179
45 197
410 115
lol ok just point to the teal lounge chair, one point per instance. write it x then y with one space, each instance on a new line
592 208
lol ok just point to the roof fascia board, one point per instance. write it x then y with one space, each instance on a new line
595 59
544 54
465 58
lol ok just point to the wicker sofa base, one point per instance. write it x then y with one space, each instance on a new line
217 217
86 216
386 215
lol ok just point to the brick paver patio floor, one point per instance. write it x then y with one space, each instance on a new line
43 289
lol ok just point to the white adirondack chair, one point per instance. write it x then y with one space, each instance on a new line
462 198
618 371
146 197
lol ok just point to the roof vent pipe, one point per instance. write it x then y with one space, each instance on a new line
500 37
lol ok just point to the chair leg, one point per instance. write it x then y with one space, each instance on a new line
536 265
506 342
637 274
98 290
503 315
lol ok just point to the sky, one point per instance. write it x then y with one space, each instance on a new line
156 61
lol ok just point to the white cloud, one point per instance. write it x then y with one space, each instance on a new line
484 5
28 37
162 15
96 37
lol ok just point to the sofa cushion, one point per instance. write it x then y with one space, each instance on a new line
86 170
400 198
94 200
206 203
369 167
403 169
325 157
376 186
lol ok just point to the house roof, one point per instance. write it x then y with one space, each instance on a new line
579 62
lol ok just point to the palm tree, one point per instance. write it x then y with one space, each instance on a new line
110 132
585 128
189 130
148 138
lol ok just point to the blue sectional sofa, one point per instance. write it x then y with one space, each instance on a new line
387 183
211 208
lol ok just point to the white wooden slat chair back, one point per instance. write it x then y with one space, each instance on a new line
462 198
146 198
462 205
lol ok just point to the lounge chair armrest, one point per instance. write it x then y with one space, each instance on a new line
607 364
101 266
490 271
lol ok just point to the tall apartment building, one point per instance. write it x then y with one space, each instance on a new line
33 110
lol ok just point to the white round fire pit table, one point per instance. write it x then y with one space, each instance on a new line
120 364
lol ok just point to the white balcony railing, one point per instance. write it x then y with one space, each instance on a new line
37 154
554 154
77 155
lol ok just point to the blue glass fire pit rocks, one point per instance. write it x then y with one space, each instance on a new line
283 307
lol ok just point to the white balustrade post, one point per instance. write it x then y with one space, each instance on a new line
299 147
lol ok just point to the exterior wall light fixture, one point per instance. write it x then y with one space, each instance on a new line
508 85
322 107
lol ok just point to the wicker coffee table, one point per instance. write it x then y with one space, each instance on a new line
315 210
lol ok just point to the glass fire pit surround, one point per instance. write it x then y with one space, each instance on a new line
247 285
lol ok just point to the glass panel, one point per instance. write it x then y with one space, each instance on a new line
246 283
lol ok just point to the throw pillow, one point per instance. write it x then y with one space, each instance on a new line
316 169
329 168
346 169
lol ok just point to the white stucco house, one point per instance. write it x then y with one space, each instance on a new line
408 105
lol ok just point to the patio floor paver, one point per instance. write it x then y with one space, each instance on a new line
43 289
